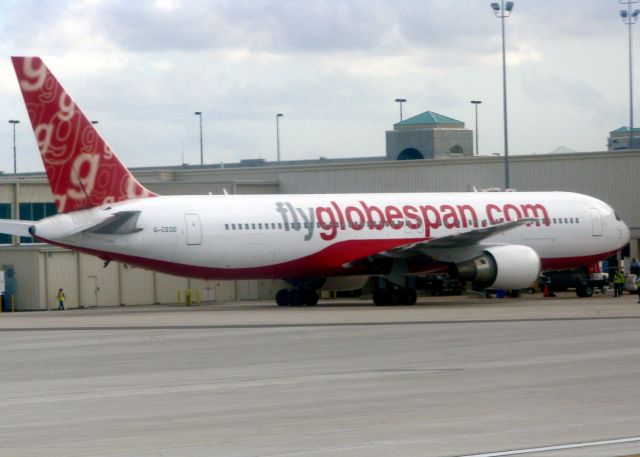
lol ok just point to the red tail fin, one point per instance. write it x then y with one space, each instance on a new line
83 171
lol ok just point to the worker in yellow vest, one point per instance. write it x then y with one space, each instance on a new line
60 299
618 283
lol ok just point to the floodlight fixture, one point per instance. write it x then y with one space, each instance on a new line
502 11
401 101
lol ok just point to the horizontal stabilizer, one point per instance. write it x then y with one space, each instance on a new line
17 228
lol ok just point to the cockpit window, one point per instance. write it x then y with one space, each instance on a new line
618 218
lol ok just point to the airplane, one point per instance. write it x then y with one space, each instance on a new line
495 240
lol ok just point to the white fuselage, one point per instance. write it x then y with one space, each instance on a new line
290 236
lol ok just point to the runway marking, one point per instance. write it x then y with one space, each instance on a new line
308 325
562 447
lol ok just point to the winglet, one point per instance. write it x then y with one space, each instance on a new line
83 171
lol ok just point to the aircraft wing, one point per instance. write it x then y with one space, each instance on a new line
422 255
459 240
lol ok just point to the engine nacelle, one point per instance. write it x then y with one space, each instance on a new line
502 267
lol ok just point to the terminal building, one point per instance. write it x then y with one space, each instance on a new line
429 136
40 270
620 139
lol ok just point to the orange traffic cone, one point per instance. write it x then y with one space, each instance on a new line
547 291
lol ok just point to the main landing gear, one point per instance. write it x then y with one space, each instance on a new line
387 293
297 297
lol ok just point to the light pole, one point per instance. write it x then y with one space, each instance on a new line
199 114
630 18
14 122
503 10
476 103
400 101
278 116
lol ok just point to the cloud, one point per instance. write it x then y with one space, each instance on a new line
333 67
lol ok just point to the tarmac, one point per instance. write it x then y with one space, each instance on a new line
450 376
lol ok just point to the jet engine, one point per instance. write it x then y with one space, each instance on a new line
501 267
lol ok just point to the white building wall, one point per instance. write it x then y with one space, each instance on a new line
225 291
167 288
61 271
27 290
207 290
99 285
137 285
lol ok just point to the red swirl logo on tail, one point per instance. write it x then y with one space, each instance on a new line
83 171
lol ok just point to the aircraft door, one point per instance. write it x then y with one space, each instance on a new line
194 229
596 222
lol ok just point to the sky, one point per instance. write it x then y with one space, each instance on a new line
332 67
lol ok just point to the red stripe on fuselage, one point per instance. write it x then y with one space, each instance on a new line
328 262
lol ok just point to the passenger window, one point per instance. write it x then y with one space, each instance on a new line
280 225
233 226
226 226
246 226
259 226
239 226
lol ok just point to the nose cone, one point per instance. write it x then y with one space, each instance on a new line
624 233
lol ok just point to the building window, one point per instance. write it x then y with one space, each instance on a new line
5 213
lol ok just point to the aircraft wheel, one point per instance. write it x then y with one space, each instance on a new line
296 297
584 291
380 297
311 297
410 297
396 297
283 297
